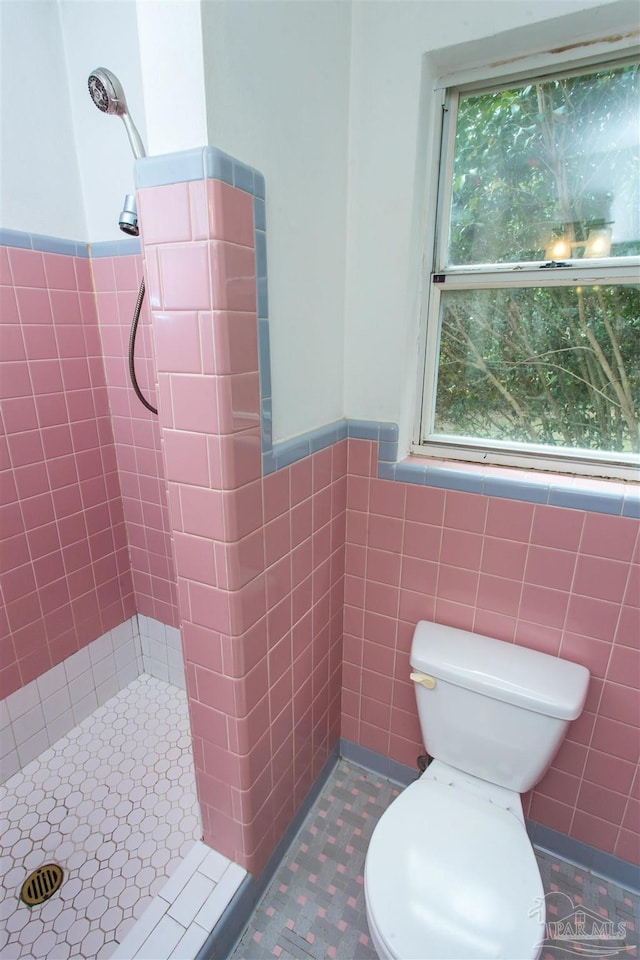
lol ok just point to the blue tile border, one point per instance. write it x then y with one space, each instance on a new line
225 935
376 763
601 864
622 499
199 163
42 243
115 248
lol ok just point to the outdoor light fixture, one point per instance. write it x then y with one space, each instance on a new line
598 242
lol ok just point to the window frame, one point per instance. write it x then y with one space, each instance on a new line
578 271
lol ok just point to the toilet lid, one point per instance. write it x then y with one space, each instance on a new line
449 875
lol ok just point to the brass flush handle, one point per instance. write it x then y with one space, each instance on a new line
424 679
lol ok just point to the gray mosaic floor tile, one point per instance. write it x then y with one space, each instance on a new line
314 908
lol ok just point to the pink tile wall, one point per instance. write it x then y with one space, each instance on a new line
137 436
259 561
562 581
64 565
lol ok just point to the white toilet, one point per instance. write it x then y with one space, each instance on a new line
450 872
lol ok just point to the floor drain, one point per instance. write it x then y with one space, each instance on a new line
41 884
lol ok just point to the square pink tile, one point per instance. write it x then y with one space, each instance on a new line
602 578
548 567
184 276
592 617
233 277
177 342
230 213
165 213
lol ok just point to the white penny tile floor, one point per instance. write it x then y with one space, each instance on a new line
114 804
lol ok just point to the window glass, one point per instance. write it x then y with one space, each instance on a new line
558 366
547 171
533 341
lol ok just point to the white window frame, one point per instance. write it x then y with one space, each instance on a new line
578 272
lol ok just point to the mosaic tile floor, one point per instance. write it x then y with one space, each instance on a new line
314 907
114 804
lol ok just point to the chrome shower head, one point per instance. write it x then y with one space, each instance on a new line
106 92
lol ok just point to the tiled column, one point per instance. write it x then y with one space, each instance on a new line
200 260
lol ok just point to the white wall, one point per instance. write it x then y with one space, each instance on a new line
65 166
40 190
102 33
389 166
277 78
171 60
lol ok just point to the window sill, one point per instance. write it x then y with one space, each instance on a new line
614 497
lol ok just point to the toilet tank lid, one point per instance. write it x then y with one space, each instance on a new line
505 671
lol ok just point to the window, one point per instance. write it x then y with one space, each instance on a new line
533 341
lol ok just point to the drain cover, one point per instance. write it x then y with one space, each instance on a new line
41 884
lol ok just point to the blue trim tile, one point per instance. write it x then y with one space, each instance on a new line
69 248
622 872
266 424
389 431
454 480
258 181
180 167
262 295
411 472
386 470
115 248
325 436
631 505
264 358
243 177
261 254
342 431
528 490
610 503
43 243
288 451
259 214
319 439
268 462
218 165
363 429
15 238
388 451
376 763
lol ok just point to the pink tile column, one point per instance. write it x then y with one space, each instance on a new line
64 563
259 562
562 581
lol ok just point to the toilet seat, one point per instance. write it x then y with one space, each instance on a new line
452 876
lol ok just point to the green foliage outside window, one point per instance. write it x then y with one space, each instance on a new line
543 167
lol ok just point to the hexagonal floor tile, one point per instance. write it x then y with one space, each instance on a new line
83 804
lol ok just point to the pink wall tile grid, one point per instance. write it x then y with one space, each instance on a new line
64 563
557 580
296 593
136 434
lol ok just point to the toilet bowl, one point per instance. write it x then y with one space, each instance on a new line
464 881
450 873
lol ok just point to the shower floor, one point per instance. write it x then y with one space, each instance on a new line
114 804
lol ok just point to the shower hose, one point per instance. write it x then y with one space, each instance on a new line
132 347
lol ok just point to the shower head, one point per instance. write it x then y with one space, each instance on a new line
106 92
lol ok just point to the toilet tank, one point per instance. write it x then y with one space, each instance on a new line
493 709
